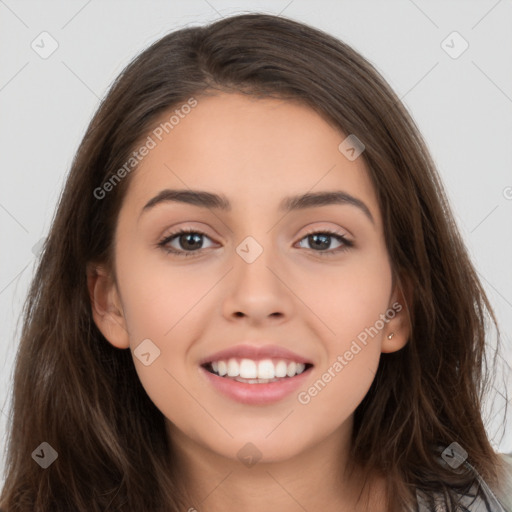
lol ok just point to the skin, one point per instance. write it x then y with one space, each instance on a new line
254 151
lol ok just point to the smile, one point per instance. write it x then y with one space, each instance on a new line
256 382
256 372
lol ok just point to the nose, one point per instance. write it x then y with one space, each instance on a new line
258 291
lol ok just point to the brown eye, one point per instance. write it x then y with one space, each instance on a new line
188 242
320 241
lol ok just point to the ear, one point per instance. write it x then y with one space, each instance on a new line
106 306
398 329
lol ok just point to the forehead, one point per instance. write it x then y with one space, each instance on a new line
252 150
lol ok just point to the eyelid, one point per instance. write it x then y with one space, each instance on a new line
333 230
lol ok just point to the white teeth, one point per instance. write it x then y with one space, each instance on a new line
233 368
257 371
248 369
255 381
291 369
223 368
281 369
266 369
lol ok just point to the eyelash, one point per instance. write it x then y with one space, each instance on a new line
347 244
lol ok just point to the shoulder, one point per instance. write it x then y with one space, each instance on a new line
504 491
479 498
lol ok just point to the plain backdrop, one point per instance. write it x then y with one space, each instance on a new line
461 101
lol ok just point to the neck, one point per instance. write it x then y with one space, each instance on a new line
315 479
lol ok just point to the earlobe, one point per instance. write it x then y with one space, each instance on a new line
398 329
106 307
395 341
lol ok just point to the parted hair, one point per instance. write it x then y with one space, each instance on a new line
75 391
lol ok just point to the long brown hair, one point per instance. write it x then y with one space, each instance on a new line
75 391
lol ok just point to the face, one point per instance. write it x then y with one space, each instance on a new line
255 288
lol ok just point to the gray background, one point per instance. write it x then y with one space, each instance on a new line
463 107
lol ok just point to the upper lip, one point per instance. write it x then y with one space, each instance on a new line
254 352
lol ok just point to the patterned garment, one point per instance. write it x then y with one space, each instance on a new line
479 498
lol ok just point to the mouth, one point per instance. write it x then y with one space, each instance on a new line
251 371
256 382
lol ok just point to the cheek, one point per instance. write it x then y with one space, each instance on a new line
348 298
350 303
158 295
161 304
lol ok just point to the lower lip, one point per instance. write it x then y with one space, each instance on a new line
256 394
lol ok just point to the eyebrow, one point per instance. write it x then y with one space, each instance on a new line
210 200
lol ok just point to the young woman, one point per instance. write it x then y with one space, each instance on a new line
254 215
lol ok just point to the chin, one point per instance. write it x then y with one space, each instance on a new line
256 446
